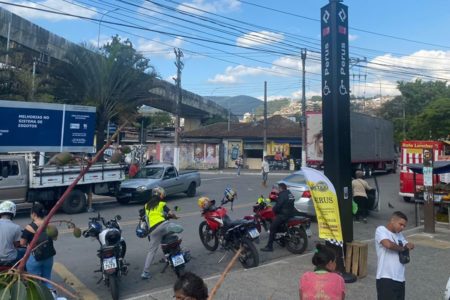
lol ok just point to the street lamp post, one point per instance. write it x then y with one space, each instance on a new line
100 24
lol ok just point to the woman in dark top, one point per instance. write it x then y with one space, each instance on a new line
41 260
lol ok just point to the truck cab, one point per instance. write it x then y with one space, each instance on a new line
13 179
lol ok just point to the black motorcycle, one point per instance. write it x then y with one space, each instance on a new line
174 255
112 250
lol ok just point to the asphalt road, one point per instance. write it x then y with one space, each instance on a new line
76 258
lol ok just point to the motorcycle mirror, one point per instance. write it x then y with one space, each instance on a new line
118 218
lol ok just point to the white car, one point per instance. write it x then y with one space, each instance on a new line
296 183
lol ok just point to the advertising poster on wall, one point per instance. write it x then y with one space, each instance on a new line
314 136
199 152
278 151
211 154
167 153
152 153
234 150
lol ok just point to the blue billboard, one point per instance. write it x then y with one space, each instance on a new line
48 127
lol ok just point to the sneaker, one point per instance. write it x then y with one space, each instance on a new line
145 275
267 249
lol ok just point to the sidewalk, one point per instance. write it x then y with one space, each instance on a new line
426 274
246 172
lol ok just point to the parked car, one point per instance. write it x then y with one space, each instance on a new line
139 187
296 183
447 290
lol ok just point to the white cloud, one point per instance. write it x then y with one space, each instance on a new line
252 39
156 47
148 8
218 6
352 37
56 5
233 74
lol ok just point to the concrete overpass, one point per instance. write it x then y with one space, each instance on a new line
47 46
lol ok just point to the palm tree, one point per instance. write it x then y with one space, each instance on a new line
115 81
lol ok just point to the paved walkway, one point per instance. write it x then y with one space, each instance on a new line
427 274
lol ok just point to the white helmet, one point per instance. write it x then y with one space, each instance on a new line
8 207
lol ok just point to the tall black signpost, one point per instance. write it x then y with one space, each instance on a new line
336 112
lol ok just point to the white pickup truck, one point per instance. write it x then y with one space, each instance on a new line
21 182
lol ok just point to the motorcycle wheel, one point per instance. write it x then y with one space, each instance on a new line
208 237
297 240
179 271
114 286
249 256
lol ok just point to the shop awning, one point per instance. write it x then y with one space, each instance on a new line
439 167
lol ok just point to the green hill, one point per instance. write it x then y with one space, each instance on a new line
239 105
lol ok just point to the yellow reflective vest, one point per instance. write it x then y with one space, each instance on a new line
155 215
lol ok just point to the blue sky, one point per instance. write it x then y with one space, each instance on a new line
400 40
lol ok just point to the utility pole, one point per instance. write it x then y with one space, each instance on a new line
179 64
265 120
303 116
229 115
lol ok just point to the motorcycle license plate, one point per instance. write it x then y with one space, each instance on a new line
178 260
109 263
308 232
253 233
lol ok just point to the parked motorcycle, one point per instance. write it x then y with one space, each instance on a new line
112 250
293 234
232 235
174 255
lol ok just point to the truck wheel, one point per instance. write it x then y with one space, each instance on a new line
192 189
75 202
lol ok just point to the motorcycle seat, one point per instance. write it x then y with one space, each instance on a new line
169 239
232 223
299 218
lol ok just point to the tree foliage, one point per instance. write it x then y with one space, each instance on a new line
411 112
116 81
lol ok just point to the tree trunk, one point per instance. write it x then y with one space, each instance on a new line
101 136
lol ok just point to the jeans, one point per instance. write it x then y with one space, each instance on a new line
239 170
41 268
363 210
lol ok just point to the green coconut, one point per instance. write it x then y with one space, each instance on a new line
116 157
61 159
126 149
76 232
52 232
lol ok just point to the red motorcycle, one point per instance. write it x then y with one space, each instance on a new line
293 234
232 235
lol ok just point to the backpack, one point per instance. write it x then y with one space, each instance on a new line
44 247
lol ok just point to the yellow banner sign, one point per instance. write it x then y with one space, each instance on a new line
326 205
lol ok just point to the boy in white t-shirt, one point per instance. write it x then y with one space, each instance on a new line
389 241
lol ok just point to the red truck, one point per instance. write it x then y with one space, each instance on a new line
411 153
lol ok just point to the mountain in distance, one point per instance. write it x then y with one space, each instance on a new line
239 105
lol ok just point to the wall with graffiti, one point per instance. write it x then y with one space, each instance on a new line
192 156
234 149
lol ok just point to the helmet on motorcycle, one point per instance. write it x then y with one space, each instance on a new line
158 192
230 194
94 228
112 237
8 207
203 202
142 229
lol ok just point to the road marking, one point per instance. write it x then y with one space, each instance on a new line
74 282
208 179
